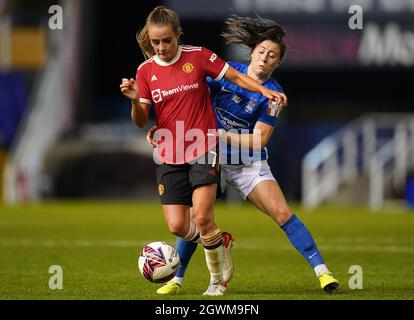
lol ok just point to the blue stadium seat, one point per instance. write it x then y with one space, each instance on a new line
13 99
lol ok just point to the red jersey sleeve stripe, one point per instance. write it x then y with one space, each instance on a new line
146 101
191 48
145 62
223 71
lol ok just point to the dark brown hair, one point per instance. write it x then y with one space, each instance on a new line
252 31
161 16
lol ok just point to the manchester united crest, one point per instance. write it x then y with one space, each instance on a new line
161 189
188 67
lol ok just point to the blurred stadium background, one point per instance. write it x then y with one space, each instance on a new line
66 131
347 137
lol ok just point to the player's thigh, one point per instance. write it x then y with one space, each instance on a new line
174 189
268 197
177 218
204 179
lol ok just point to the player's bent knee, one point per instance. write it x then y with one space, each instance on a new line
203 222
283 214
177 229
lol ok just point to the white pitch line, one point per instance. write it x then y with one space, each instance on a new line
370 248
72 243
239 245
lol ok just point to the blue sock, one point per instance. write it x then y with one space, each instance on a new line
185 251
302 240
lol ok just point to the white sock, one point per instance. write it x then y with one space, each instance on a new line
193 234
214 250
214 259
321 268
178 280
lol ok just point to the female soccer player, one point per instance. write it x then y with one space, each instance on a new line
174 81
236 108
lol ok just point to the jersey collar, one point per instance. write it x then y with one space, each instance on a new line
164 64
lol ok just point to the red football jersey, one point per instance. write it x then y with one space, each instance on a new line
180 94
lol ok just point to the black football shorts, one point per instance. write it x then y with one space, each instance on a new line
177 182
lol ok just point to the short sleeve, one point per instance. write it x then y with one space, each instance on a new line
268 114
270 120
143 90
213 65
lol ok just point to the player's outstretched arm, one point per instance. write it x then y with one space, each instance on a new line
139 111
255 141
250 84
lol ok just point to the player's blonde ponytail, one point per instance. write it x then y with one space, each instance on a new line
159 16
145 43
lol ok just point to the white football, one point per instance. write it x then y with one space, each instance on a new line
158 262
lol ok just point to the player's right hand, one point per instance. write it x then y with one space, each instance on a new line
280 98
150 137
129 88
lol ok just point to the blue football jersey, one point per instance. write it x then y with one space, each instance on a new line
238 109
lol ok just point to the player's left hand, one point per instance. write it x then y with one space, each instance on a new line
150 137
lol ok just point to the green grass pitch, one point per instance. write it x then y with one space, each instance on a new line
97 243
